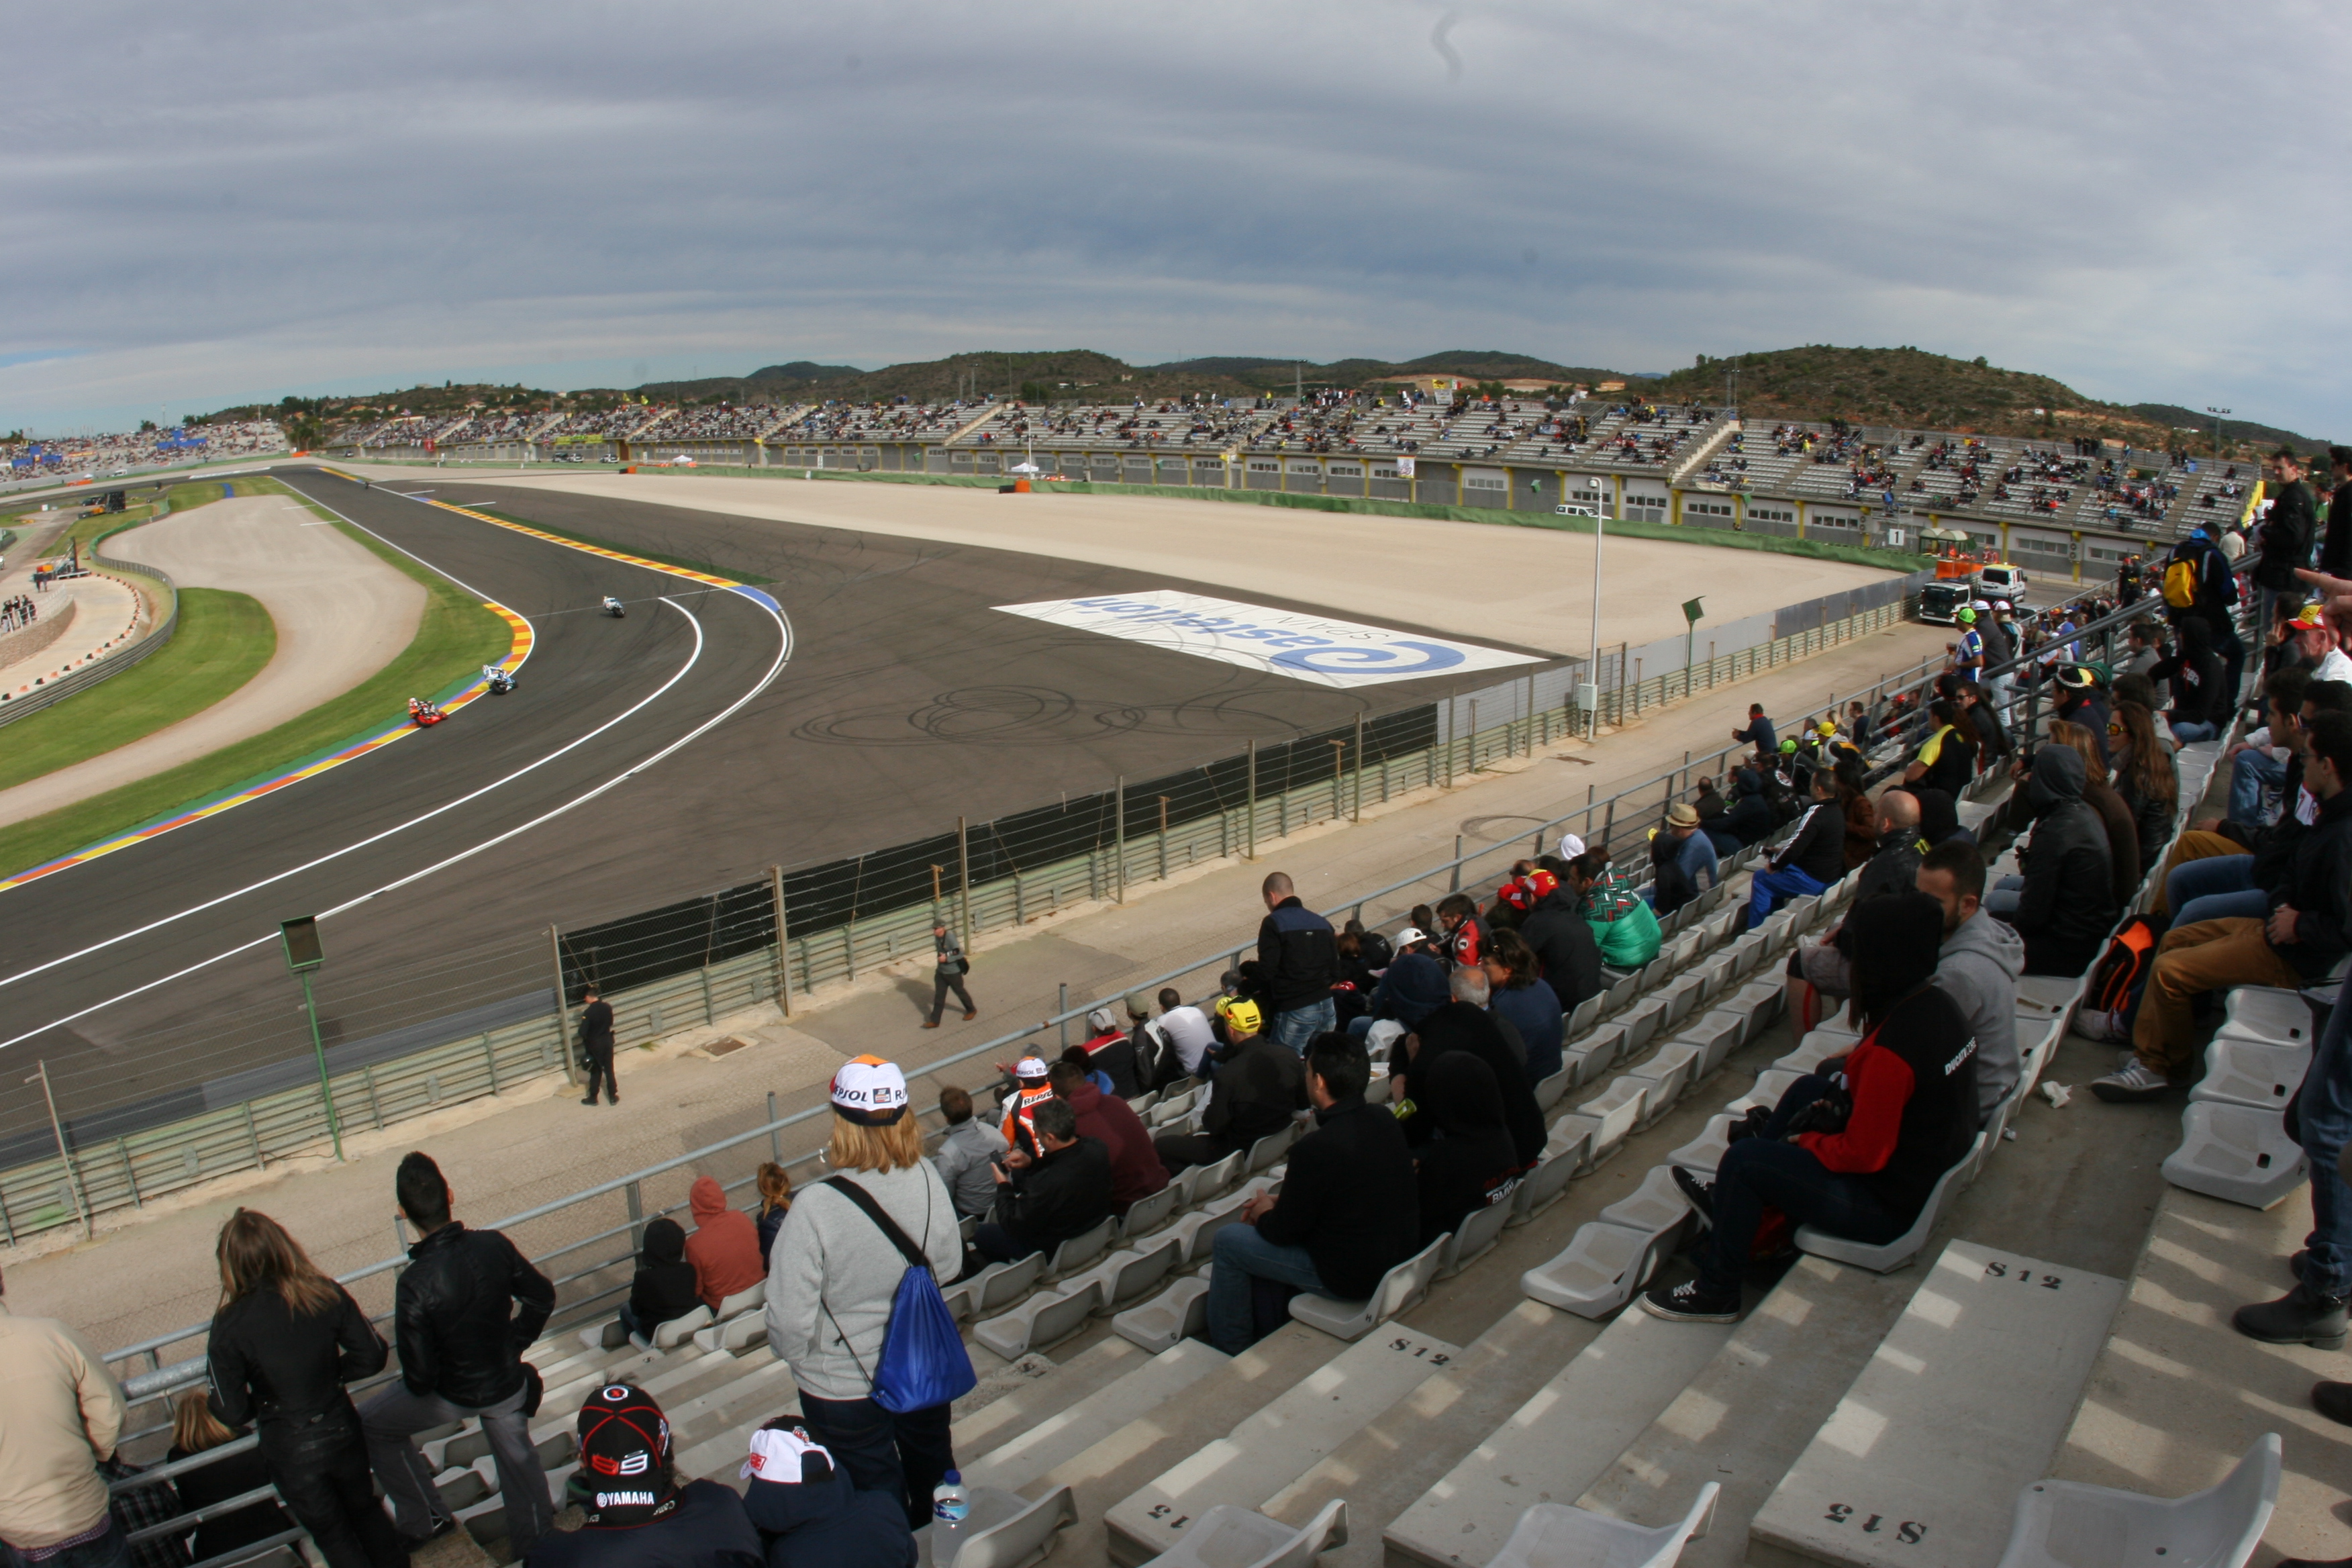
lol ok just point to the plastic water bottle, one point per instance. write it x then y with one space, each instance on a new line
949 1512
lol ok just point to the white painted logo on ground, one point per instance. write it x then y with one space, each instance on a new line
1303 646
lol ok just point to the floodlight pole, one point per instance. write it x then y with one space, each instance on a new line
1600 527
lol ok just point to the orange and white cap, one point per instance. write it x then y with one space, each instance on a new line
870 1092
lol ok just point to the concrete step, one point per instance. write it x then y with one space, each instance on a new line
1280 1441
1555 1443
1032 1441
1743 1415
1961 1406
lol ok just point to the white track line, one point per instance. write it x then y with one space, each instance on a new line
783 656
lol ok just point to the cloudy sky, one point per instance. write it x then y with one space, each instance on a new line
245 199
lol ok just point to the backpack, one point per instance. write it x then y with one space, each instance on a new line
923 1361
2180 584
2123 968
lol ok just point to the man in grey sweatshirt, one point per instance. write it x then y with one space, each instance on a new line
967 1155
1978 965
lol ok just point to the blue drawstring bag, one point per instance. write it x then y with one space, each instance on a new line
923 1361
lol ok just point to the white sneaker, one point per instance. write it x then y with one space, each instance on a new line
2107 1029
2131 1084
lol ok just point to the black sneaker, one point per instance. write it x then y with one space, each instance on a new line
1692 1302
2298 1317
1699 1191
2333 1400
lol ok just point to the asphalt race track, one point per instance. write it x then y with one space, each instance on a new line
681 750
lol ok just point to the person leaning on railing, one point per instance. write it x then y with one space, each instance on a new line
61 1415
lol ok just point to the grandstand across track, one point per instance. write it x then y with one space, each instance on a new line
908 701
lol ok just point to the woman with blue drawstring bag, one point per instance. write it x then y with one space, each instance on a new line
854 1301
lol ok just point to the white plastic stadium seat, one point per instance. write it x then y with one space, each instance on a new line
1399 1290
2255 1073
1598 1272
743 1301
1616 1108
1671 1070
1146 1214
669 1335
2237 1152
1888 1257
1229 1537
1043 1320
2067 1524
1475 1237
1006 1530
1157 1325
1558 1535
1126 1275
2265 1013
1704 1153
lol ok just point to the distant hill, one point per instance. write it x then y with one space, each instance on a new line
2238 432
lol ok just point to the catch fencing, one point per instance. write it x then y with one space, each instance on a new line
696 961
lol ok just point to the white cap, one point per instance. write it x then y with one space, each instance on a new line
1030 1067
777 1453
1101 1022
1570 845
870 1090
1410 935
1382 1035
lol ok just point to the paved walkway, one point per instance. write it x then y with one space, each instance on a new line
149 1272
342 613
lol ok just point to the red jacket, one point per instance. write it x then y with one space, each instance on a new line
1135 1169
724 1246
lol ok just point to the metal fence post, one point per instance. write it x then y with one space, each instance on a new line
1062 1004
1358 816
1118 833
634 1192
775 1134
1249 807
963 877
784 940
65 1155
1453 884
562 1011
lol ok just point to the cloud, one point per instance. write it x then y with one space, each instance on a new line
280 198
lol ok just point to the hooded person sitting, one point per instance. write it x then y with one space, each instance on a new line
725 1245
664 1287
637 1515
1749 818
1473 1162
807 1513
2064 904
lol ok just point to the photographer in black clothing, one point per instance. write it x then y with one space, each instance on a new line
285 1342
465 1310
596 1047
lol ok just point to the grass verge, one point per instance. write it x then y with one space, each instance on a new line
222 641
454 637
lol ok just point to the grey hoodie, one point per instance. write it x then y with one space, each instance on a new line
832 1274
1978 969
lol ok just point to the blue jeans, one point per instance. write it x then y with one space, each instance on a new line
1770 890
2190 735
2251 774
2325 1114
2216 889
112 1549
1763 1173
1240 1252
1301 1024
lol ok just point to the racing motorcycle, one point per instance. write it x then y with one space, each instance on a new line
499 680
614 608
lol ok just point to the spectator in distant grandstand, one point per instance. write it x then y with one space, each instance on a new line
1474 1165
834 1275
2064 904
1760 734
1814 857
1135 1169
1257 1086
1911 1085
949 968
1046 1198
465 1310
725 1245
283 1345
1348 1209
1518 996
1299 953
775 1184
1976 966
663 1290
965 1152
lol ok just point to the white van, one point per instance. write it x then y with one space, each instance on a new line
2003 582
1576 509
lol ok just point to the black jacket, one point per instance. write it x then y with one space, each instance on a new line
269 1365
2193 674
2068 904
2285 536
2336 549
596 1023
455 1315
1065 1193
2151 819
1298 954
664 1287
1459 1026
1258 1087
2217 583
1750 817
1563 944
1348 1198
1893 868
1819 848
224 1478
2116 816
2318 888
707 1528
821 1521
